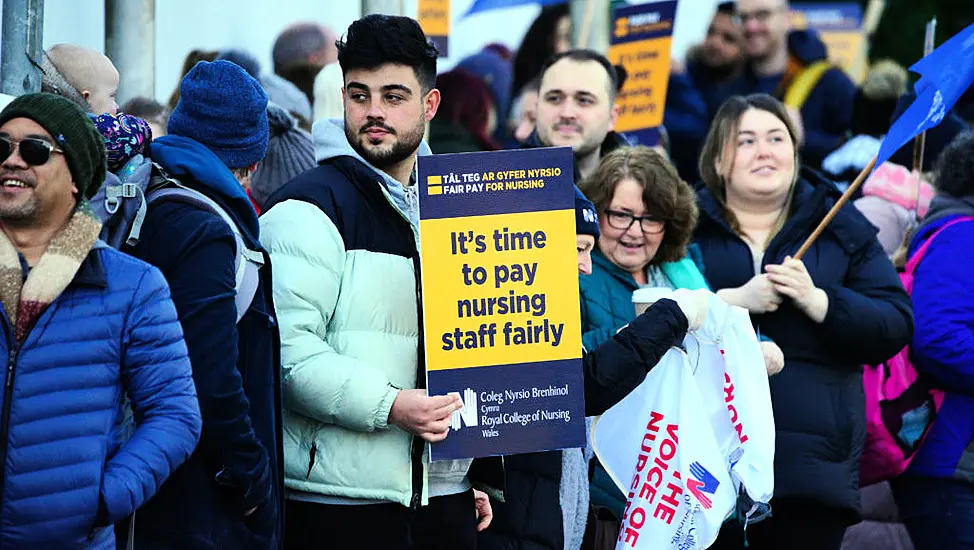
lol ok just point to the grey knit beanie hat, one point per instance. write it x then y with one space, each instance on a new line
290 152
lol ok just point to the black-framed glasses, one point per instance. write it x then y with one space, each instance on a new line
34 151
624 220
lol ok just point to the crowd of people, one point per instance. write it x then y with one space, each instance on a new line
212 308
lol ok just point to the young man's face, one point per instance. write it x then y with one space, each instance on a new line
722 48
575 106
765 26
386 112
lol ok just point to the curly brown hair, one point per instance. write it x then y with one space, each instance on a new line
664 194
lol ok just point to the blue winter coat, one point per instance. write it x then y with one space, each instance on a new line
692 100
67 475
236 367
943 344
818 402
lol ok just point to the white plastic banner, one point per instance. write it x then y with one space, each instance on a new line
677 485
685 442
729 369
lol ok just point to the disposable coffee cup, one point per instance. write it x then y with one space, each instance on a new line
642 298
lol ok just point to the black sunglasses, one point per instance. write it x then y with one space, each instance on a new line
34 151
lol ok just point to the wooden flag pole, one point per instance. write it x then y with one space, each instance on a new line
918 149
919 144
860 179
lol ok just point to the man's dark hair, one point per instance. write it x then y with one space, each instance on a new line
533 85
955 167
581 56
375 40
727 8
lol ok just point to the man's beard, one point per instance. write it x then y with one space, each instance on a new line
404 145
23 214
721 72
581 149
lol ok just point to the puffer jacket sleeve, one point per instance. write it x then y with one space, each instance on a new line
616 367
308 258
943 345
870 317
156 374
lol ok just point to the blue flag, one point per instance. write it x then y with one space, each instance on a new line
486 5
945 74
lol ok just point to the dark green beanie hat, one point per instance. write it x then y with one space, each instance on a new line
74 132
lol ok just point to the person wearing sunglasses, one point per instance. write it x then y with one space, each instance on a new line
82 325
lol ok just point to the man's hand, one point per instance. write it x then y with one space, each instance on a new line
422 415
484 512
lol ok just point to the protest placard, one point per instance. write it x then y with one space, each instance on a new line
840 27
500 299
641 39
434 18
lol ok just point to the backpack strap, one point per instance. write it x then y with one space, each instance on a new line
157 179
803 84
247 263
914 261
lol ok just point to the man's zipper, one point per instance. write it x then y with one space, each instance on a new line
8 389
418 443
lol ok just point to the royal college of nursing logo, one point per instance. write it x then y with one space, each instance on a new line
702 483
622 27
468 413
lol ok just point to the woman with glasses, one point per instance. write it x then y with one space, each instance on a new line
646 218
840 306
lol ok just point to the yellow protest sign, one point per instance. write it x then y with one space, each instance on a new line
434 18
501 315
641 39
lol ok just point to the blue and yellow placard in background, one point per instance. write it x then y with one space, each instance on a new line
500 299
840 26
641 39
434 18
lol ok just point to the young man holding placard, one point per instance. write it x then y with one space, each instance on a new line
343 238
